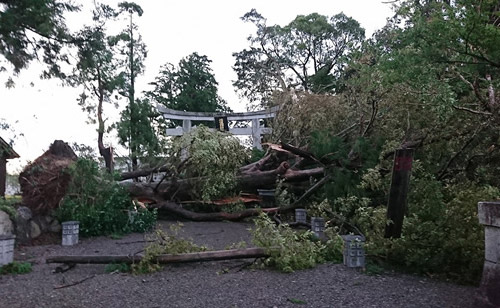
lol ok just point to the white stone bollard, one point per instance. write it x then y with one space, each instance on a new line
354 252
301 216
70 230
318 227
7 249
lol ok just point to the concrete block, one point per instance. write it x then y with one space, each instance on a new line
489 213
492 244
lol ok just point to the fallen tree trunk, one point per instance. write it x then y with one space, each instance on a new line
177 209
181 189
143 172
166 259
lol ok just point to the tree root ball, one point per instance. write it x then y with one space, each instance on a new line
44 181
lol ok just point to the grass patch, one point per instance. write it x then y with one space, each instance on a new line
117 267
16 268
296 301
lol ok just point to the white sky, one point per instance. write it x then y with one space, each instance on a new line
45 111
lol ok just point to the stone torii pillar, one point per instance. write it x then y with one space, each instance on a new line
187 117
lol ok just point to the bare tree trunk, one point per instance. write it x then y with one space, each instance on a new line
216 216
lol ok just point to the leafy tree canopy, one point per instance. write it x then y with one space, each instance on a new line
34 29
307 54
189 87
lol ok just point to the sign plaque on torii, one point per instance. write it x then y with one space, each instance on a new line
255 130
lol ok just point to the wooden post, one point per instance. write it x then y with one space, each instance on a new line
396 208
3 175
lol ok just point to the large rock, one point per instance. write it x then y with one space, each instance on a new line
35 230
6 226
54 226
23 225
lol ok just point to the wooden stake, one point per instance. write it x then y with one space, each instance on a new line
396 208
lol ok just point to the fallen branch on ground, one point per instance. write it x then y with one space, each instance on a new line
74 283
166 259
177 209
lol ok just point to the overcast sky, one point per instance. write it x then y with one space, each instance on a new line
45 111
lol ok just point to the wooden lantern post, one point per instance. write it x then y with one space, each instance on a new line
6 152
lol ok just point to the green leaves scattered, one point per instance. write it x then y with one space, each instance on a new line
292 250
214 155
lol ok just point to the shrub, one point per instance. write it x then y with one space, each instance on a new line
101 205
441 233
7 205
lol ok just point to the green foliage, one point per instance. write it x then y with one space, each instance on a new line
7 205
100 205
308 53
189 87
282 197
441 233
292 250
214 155
239 245
145 141
354 158
16 268
256 155
135 128
117 268
234 207
296 301
23 19
164 243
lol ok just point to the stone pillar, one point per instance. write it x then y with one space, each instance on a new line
256 134
186 126
489 216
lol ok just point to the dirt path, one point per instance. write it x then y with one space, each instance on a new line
214 284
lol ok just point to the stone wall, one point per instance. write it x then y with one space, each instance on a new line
27 227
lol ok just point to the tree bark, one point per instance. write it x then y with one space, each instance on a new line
216 216
142 172
166 259
250 181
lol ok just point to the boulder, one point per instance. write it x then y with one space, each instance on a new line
6 226
35 230
54 226
23 224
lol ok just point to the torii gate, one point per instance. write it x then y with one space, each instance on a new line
256 131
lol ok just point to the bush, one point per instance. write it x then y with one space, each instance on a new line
7 205
101 205
441 233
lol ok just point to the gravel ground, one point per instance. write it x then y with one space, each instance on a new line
213 284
